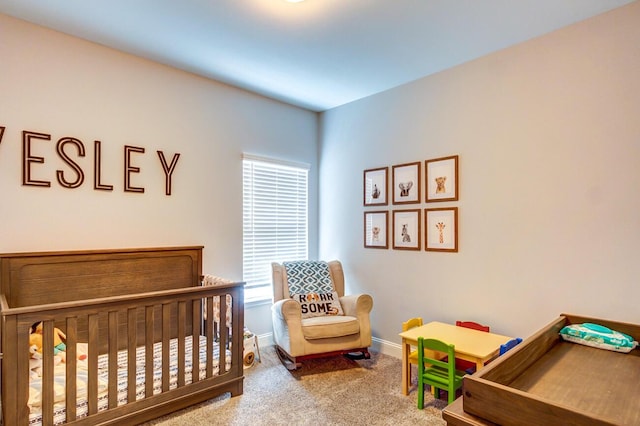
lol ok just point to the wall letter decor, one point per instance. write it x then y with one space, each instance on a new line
168 170
74 176
128 168
97 168
76 168
28 159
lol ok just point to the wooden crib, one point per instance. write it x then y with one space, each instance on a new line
123 311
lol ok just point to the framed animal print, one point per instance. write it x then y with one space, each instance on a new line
376 229
376 187
441 229
406 183
441 175
406 229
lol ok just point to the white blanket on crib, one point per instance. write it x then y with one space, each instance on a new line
59 381
212 280
35 385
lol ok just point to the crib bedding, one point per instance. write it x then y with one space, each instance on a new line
35 384
212 280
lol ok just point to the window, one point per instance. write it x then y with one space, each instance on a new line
274 220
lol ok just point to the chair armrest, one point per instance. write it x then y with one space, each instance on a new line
356 305
287 326
287 310
359 306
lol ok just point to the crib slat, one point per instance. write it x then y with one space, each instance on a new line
92 362
14 402
195 339
210 336
72 367
224 335
166 337
113 359
182 314
47 372
148 352
236 340
132 343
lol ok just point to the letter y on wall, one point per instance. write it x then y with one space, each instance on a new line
168 169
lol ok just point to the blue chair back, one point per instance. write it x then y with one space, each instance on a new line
509 345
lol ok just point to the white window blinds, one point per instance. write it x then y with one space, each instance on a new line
274 221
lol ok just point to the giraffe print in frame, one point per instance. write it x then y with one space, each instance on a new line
440 227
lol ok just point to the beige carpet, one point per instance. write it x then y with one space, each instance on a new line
325 391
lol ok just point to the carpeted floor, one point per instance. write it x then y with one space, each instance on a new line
325 391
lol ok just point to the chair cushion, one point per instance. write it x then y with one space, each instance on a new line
329 326
308 276
317 304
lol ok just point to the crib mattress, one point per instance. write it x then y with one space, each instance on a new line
35 384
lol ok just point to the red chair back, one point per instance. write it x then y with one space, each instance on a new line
464 365
474 325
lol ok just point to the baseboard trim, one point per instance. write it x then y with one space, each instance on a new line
265 340
386 347
377 345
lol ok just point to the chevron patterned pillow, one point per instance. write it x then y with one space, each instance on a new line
308 276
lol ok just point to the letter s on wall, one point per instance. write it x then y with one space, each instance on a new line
63 155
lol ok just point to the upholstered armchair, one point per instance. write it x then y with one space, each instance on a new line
311 315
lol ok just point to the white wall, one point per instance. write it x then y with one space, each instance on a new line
548 136
64 86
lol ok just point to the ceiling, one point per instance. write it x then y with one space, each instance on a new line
317 54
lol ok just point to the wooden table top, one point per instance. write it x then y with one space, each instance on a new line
476 343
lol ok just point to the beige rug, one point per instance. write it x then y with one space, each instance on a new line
325 391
